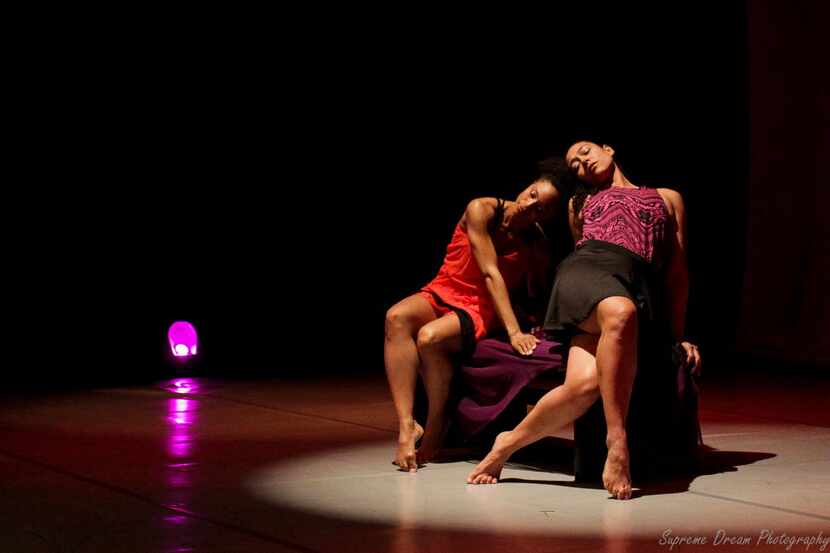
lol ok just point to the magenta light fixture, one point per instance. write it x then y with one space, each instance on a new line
183 339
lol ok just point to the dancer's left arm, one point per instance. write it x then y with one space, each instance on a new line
677 276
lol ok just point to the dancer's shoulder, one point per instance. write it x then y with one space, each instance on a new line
673 199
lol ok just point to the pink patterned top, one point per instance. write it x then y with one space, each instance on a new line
634 218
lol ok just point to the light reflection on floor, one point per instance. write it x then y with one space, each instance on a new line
181 448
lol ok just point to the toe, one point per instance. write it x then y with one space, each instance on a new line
622 492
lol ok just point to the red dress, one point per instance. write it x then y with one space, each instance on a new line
460 283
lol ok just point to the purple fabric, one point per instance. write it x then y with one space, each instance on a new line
494 375
634 218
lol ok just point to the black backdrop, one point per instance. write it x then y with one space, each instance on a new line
282 184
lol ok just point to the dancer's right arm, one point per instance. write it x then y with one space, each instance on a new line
478 216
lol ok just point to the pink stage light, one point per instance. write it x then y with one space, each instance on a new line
183 339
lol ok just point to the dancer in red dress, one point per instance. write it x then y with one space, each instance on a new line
488 255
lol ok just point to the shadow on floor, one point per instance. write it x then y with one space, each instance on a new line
556 455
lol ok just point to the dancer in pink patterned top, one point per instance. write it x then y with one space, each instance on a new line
634 218
625 235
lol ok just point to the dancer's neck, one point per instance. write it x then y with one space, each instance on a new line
619 180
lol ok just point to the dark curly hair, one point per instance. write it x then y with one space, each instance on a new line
555 170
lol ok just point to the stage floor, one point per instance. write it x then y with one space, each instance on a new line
304 465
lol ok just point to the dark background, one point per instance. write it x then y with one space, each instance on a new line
281 183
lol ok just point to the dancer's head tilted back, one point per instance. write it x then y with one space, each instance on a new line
590 162
594 167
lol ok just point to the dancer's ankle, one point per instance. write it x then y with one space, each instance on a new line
505 443
406 424
615 438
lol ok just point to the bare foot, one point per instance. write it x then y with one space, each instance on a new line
408 434
488 470
433 439
615 476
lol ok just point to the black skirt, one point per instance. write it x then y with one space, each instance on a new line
599 270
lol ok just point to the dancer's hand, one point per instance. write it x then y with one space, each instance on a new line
693 360
524 343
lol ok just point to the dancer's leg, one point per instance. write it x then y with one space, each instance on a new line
437 342
615 320
556 409
403 321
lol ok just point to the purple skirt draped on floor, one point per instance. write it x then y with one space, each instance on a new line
494 375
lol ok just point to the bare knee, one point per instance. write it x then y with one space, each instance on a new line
434 339
617 316
428 339
397 322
